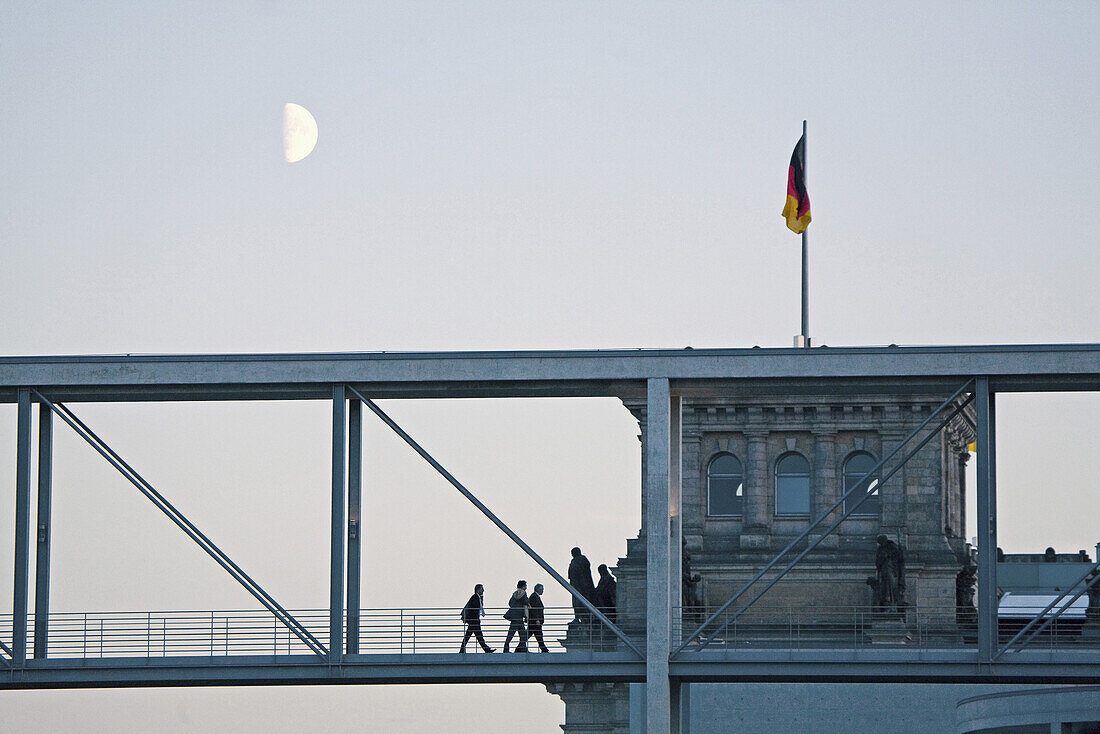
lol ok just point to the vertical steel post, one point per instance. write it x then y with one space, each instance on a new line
22 528
658 481
42 555
685 708
336 568
987 520
355 484
675 544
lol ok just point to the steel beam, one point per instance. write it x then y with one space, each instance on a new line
336 566
614 373
355 524
22 528
42 556
987 519
659 474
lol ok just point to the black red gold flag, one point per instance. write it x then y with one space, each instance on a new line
797 209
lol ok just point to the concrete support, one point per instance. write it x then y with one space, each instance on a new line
757 492
825 481
42 554
355 484
987 519
22 528
336 567
658 480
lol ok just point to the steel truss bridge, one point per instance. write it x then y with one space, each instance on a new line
344 644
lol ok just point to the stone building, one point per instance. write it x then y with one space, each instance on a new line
756 470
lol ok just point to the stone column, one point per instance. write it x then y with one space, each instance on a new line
825 486
693 499
757 521
893 491
594 708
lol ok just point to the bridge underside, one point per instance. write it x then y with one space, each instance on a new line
824 666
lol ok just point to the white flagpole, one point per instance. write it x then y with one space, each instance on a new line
804 339
805 261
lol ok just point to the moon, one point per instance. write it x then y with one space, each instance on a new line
299 132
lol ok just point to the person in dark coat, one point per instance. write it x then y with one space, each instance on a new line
517 615
605 593
536 617
471 615
580 578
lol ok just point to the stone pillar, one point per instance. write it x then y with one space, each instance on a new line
594 708
825 486
893 491
693 498
757 526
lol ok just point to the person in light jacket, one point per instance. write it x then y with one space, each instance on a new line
517 615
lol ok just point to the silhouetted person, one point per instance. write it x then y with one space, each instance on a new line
580 578
517 615
536 616
605 593
1049 556
471 615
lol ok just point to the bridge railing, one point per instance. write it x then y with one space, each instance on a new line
856 627
247 632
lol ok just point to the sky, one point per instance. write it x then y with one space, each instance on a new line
505 176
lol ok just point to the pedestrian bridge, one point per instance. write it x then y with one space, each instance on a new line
663 647
420 645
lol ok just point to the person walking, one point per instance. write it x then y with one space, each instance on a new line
517 615
471 615
536 617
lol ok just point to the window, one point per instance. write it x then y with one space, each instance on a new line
856 467
792 485
725 487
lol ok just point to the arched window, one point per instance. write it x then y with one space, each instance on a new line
792 485
725 486
856 467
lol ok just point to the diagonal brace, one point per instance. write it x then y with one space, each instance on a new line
186 526
1054 616
860 486
496 521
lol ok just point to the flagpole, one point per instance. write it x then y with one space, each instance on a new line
805 338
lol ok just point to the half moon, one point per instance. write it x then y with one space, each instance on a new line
299 132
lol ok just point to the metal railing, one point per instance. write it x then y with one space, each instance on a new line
860 627
255 632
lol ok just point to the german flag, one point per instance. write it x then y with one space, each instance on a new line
797 210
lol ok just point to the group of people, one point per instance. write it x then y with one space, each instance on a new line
601 595
525 615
